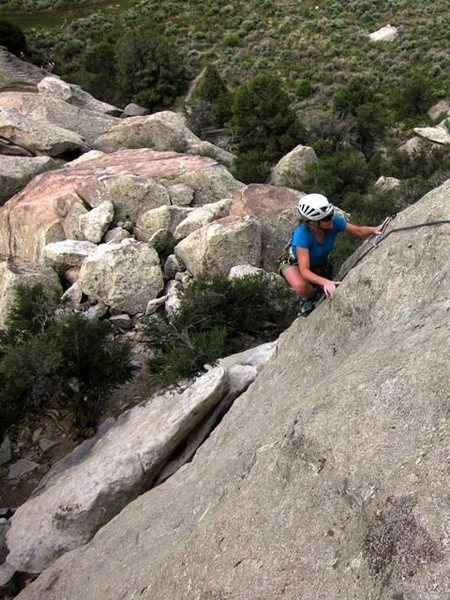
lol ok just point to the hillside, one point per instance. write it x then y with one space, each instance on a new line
315 47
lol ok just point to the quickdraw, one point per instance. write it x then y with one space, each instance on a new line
380 237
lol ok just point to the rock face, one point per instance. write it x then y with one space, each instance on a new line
329 477
42 108
71 506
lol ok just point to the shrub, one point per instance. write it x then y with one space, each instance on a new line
263 122
49 361
213 91
12 37
338 174
357 92
217 317
413 96
149 69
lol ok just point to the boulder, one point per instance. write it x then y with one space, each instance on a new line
440 134
134 110
18 75
180 194
164 218
276 209
389 33
124 276
328 478
69 210
172 266
217 247
161 131
95 223
87 156
210 185
440 109
68 252
13 273
116 234
132 196
413 145
21 468
74 503
201 216
17 171
53 112
55 88
293 167
27 135
387 184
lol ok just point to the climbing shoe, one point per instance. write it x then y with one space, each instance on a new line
305 307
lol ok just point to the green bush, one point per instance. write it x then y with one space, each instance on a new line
358 91
263 122
217 317
338 174
213 91
12 37
149 69
413 96
48 361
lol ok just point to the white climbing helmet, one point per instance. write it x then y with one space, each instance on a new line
314 207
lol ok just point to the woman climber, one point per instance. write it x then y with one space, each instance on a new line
305 266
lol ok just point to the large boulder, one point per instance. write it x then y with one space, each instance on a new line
24 135
17 75
74 502
163 221
131 196
217 247
329 477
164 130
14 273
49 207
389 33
439 134
276 209
52 111
439 110
68 253
123 275
73 94
293 166
201 216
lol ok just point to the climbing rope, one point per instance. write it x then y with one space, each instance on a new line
384 235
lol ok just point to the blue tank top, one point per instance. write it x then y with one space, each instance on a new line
318 251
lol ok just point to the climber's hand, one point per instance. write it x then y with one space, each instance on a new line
330 287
